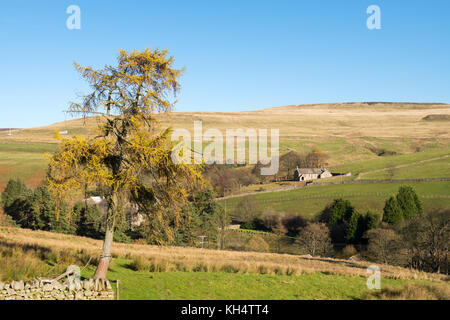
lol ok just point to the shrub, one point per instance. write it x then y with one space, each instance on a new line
290 271
314 239
200 267
139 263
384 246
254 224
263 269
228 268
258 244
348 251
413 292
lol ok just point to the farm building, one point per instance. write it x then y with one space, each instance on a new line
305 174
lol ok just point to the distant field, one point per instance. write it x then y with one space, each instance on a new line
347 132
432 169
388 161
24 161
309 201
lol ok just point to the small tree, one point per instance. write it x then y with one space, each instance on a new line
207 218
409 202
274 221
392 213
353 224
222 220
44 207
315 239
131 158
89 222
316 158
336 213
14 190
288 163
345 222
384 245
428 241
371 220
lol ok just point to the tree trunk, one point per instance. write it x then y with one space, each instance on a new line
105 257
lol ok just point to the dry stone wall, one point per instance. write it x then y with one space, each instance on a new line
89 289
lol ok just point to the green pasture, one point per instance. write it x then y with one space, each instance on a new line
311 200
234 286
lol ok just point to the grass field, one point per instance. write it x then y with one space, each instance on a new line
310 200
24 161
388 161
236 286
430 169
191 273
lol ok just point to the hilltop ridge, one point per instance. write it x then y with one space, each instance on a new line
348 120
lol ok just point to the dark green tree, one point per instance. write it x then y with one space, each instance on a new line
14 190
338 212
89 220
409 202
352 232
371 220
392 212
42 215
22 212
206 215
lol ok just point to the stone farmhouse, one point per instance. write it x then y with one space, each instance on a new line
306 174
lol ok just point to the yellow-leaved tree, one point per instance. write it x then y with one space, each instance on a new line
130 160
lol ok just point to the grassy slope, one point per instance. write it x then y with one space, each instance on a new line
432 169
311 200
384 162
27 253
236 286
25 161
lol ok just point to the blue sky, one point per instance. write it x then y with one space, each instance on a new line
239 55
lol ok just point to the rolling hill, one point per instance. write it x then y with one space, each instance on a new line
357 137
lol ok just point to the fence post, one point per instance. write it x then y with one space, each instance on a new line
117 290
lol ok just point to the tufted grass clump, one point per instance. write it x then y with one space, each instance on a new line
139 263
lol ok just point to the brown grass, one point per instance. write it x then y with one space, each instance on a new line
414 292
169 258
348 120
